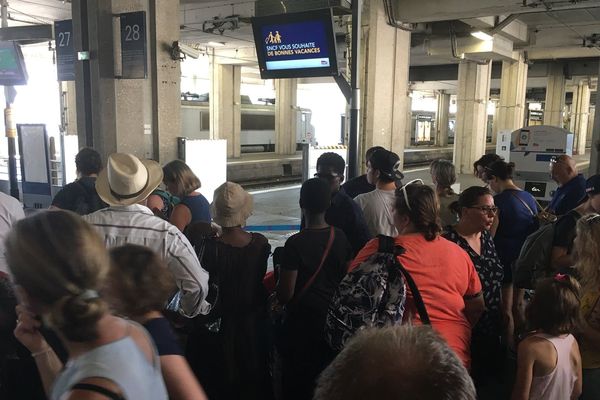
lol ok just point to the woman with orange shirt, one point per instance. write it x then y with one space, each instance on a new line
443 272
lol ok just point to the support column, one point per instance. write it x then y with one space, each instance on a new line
441 119
408 128
385 82
138 116
555 96
471 114
580 115
286 91
225 111
165 79
510 113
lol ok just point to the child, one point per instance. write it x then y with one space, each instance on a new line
549 363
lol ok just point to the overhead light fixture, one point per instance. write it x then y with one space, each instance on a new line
216 44
482 36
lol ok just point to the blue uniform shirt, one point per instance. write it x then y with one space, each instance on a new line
568 196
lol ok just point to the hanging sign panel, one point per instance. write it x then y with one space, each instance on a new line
134 60
65 52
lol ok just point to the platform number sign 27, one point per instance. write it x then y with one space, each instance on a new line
134 61
65 52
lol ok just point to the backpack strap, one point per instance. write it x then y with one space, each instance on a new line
385 244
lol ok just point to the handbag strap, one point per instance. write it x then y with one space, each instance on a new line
525 204
311 280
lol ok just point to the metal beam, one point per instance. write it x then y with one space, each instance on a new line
27 33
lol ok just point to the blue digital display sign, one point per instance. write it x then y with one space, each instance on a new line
295 45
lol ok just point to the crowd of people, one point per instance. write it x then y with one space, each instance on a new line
126 290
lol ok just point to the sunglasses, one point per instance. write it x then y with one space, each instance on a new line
591 219
328 177
403 190
486 209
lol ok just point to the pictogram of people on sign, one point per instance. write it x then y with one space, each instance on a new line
273 39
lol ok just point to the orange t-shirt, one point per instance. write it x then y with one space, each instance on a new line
445 275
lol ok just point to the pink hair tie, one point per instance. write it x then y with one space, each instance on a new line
560 277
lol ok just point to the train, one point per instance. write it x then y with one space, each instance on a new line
423 124
257 124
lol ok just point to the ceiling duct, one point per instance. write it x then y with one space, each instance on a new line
274 7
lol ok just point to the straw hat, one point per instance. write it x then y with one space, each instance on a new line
232 205
127 180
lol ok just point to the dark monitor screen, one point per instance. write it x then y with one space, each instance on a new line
12 65
295 45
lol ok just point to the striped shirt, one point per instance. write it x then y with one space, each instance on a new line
136 224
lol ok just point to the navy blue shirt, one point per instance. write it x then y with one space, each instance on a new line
516 222
358 185
568 196
198 206
345 214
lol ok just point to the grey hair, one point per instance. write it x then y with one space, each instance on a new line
406 362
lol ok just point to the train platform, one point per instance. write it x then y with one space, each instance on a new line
277 213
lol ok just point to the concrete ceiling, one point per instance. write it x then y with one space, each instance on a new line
545 29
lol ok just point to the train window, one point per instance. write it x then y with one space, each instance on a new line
257 122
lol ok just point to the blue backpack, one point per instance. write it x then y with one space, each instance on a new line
372 295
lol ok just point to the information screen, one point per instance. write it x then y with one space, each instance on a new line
12 65
295 45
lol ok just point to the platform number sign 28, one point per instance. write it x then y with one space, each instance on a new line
65 52
133 45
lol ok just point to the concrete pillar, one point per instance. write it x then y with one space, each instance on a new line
510 113
555 96
441 119
385 101
471 114
408 128
225 111
286 91
139 116
580 116
590 126
165 77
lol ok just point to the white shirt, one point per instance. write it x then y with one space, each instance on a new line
136 224
378 208
11 210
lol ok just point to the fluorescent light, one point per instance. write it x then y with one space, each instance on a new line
482 36
216 44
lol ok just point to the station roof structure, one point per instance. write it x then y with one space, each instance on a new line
543 30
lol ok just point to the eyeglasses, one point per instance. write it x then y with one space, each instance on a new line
328 177
403 190
591 219
486 209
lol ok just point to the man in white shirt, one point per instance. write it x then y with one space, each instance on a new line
11 210
124 185
383 170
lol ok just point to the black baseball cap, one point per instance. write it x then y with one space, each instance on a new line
387 163
592 185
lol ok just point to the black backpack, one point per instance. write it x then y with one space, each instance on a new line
372 295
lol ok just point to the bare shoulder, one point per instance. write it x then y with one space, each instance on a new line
536 345
142 339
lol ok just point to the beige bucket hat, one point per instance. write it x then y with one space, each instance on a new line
127 180
231 205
